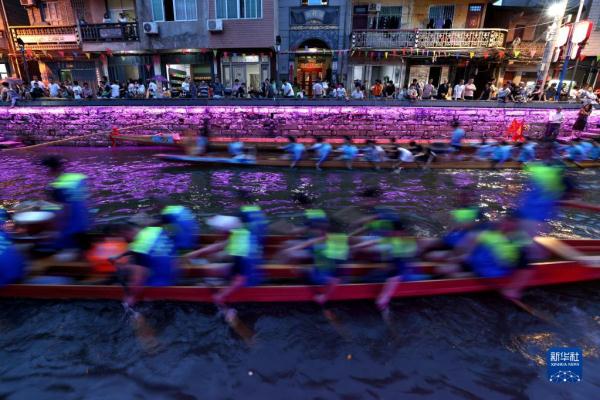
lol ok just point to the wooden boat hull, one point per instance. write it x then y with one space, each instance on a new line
338 164
545 274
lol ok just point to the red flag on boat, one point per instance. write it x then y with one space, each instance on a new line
515 130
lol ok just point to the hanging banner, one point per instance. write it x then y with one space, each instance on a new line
501 54
517 53
532 53
215 52
148 67
386 55
88 55
471 54
109 52
486 55
61 53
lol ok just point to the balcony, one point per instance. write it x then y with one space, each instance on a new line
47 37
429 39
119 32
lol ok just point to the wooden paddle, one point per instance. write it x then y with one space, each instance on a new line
579 205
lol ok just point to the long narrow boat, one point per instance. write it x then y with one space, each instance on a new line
338 164
553 272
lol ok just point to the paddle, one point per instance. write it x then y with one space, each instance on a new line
567 252
579 205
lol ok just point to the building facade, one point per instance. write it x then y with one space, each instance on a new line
402 40
314 41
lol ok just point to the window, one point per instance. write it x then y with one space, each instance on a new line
239 9
174 10
387 18
442 16
117 7
314 2
3 71
50 12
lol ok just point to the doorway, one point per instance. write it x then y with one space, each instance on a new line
311 64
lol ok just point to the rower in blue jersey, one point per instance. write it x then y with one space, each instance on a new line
242 249
484 151
586 148
595 151
181 226
527 153
373 153
322 150
12 263
349 152
252 216
236 148
295 150
502 153
574 151
152 262
458 134
70 191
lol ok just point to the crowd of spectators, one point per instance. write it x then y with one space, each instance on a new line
159 87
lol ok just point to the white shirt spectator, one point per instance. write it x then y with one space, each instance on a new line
131 89
115 91
152 88
77 92
40 84
556 118
357 94
340 92
458 91
185 86
405 155
54 89
325 86
141 89
288 90
317 89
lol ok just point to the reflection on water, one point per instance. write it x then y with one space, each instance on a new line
125 181
453 347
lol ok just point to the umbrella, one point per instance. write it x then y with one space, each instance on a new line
13 81
159 78
224 222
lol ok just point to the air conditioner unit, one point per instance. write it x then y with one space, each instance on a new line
374 7
150 28
215 25
28 3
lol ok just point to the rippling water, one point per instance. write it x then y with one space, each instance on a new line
453 347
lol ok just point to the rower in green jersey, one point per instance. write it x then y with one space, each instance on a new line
241 248
70 191
329 249
152 261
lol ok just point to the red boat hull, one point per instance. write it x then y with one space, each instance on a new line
545 274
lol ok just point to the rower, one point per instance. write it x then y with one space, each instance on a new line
484 151
527 153
181 226
236 148
502 153
422 153
495 253
574 151
241 247
373 153
403 156
349 151
295 150
399 250
595 151
152 263
70 191
322 150
12 263
252 215
457 136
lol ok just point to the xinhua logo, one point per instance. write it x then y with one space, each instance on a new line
564 364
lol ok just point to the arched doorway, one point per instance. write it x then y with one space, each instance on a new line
313 61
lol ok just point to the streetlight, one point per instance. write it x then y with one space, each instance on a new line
21 45
557 11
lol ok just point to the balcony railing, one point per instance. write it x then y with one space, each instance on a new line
434 39
47 37
119 32
392 39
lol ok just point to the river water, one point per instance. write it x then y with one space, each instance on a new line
452 347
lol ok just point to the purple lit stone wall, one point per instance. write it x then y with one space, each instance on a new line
42 124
